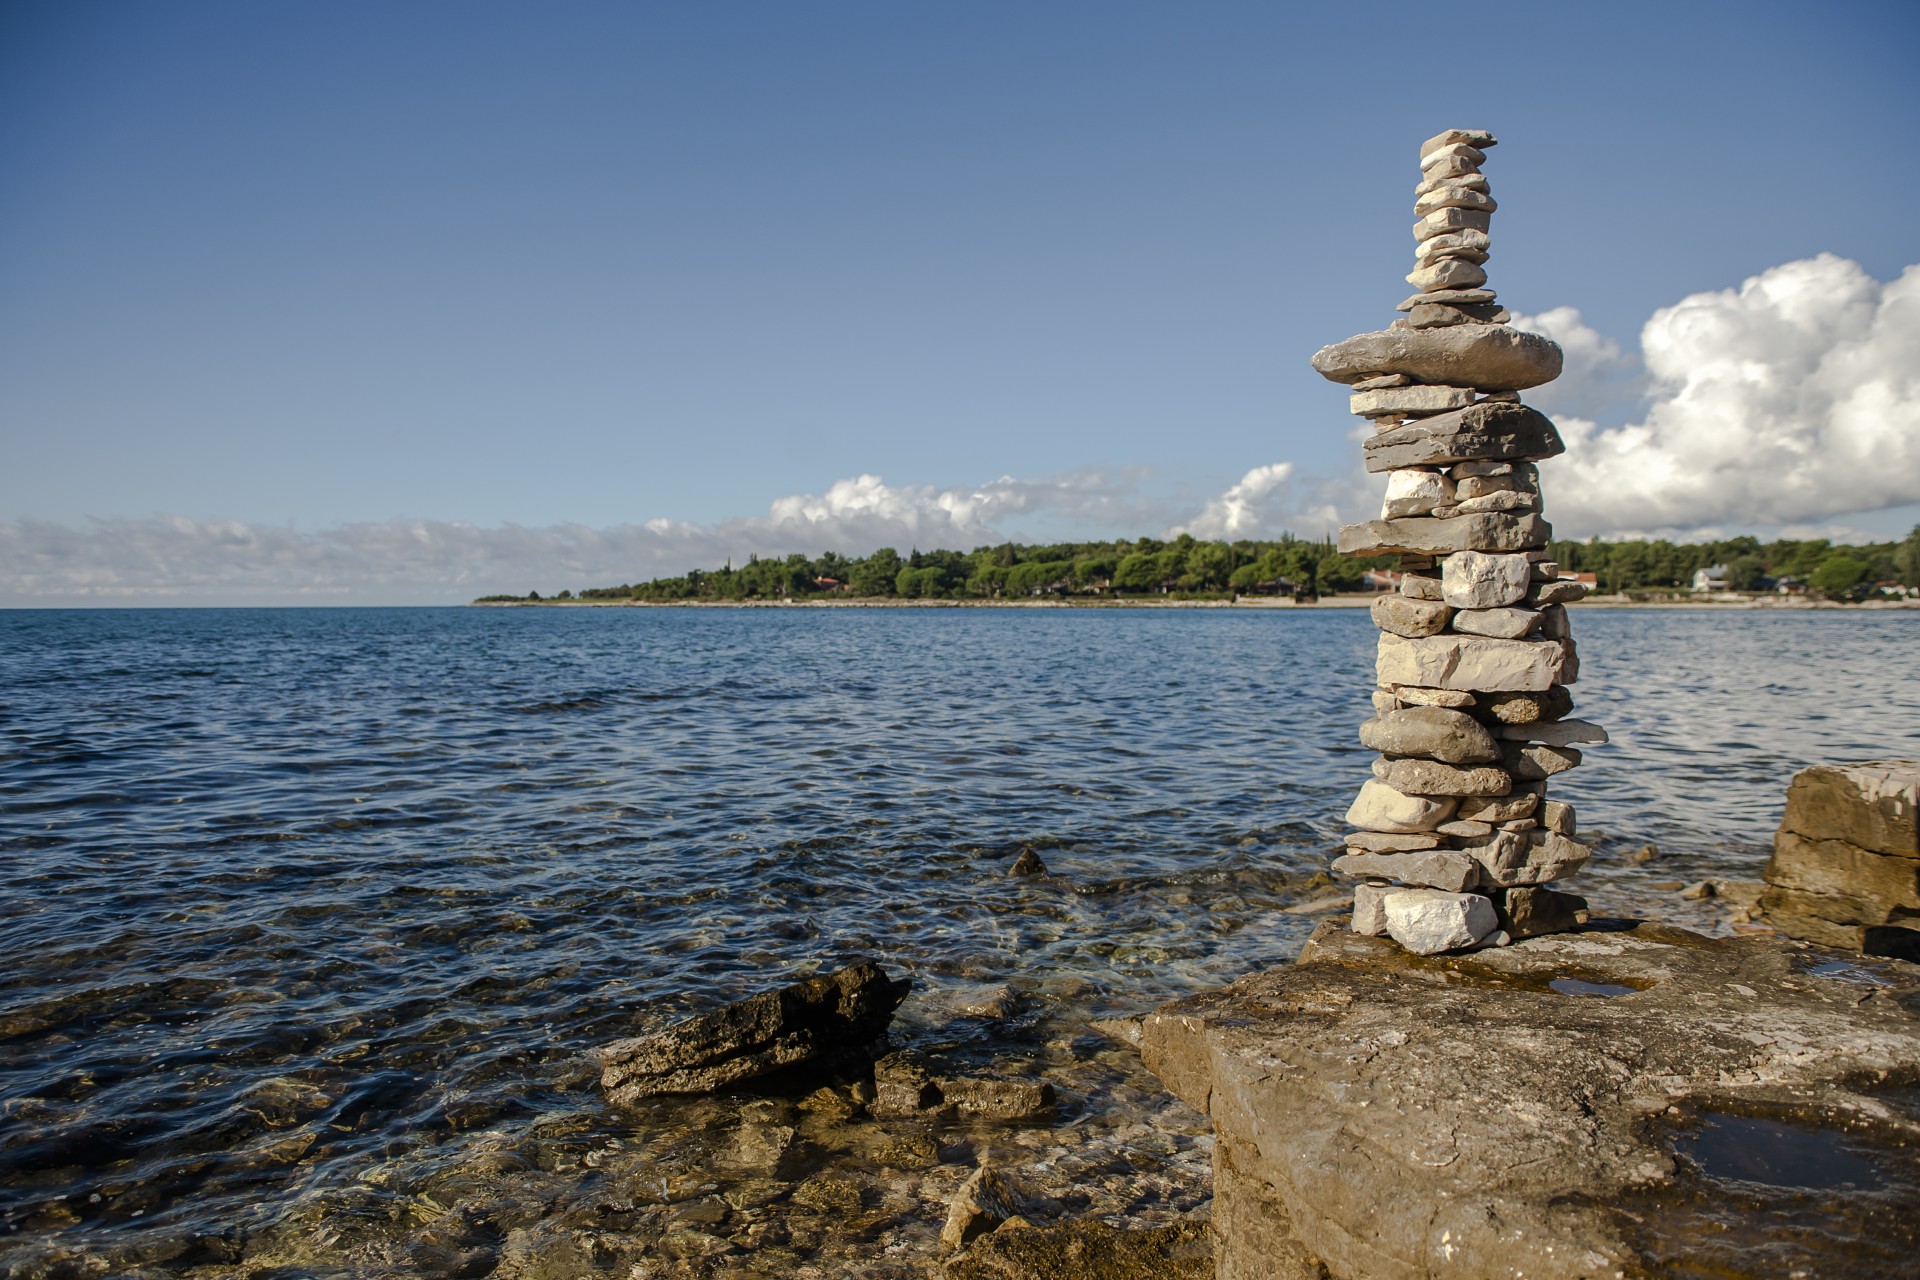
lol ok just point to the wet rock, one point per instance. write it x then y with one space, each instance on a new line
1088 1250
984 1201
912 1083
1516 1127
834 1017
1845 869
1027 864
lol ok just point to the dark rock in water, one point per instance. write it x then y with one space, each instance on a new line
1526 1110
983 1202
831 1018
1088 1250
1027 864
910 1083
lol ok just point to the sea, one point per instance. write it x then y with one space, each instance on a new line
311 918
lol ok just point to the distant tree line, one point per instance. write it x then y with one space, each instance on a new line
1189 568
1839 572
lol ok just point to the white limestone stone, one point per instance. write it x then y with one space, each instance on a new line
1480 580
1471 663
1379 807
1502 624
1369 909
1428 921
1414 492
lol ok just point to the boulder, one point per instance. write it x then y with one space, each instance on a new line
1475 580
828 1019
1379 807
1429 921
1437 732
1432 778
1407 617
1490 357
1501 624
1447 869
1470 663
1417 535
1487 430
1413 491
1379 1114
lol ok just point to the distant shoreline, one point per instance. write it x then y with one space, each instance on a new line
1742 605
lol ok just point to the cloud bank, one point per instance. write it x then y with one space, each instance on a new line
1792 399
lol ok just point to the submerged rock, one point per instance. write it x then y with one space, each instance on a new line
831 1018
1528 1110
1088 1250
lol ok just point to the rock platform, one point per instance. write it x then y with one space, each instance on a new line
1609 1102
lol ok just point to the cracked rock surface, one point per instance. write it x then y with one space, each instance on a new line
1554 1109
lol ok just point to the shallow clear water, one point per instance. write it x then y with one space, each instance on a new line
297 899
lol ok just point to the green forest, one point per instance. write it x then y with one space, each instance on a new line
1190 568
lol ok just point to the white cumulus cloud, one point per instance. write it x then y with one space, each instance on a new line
1792 399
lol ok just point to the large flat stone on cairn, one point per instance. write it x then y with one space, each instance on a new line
1845 869
1390 1116
1471 662
1492 357
835 1017
1493 431
1426 536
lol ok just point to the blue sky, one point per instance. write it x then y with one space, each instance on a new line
585 266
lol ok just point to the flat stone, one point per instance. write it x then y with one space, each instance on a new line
1511 501
1875 805
1487 430
1504 624
1436 316
1527 708
1437 733
1405 617
831 1018
1453 164
1532 762
1448 297
1408 402
1380 807
1425 535
1414 491
1480 469
1468 181
1529 911
1451 195
1518 1129
1465 240
1429 921
1477 580
1513 806
1465 829
1490 357
1471 663
1554 623
1389 842
1447 869
1477 139
1466 487
1430 156
1456 698
1442 221
1384 380
1433 778
1565 591
1420 586
1447 273
1555 733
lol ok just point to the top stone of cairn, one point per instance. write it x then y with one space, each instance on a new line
1478 139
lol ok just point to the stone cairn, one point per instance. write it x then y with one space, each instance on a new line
1456 835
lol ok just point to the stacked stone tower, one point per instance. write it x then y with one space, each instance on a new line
1455 835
